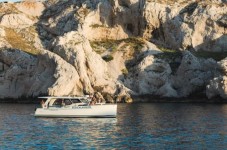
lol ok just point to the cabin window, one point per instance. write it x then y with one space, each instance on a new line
67 102
76 101
57 102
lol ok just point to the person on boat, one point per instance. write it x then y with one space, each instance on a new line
62 103
90 97
93 101
99 98
42 104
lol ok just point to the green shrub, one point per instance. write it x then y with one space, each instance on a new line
97 26
168 54
107 58
112 45
17 41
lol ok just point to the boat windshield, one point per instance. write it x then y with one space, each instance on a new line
67 102
84 100
75 100
81 100
57 102
61 102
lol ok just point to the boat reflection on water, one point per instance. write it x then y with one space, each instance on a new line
81 131
69 121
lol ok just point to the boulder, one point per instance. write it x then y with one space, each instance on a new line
98 97
149 76
193 74
108 98
167 91
218 85
222 21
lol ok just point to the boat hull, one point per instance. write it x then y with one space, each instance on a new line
94 111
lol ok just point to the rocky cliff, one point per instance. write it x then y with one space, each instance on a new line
121 48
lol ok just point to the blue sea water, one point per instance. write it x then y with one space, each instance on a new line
137 126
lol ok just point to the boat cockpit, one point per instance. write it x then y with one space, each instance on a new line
65 102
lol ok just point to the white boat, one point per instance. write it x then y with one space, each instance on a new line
75 107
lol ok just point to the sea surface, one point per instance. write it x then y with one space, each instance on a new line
137 126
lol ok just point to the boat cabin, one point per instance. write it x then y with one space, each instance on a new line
64 101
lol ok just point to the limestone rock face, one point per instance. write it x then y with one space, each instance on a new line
27 75
222 21
15 81
150 76
71 66
4 43
15 21
58 18
2 32
96 20
193 74
186 26
218 85
178 26
76 50
98 25
66 78
190 25
118 19
31 8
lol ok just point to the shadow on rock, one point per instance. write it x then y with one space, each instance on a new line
60 17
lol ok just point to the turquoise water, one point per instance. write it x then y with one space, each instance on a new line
137 126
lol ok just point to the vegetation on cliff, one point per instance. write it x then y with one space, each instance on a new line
17 41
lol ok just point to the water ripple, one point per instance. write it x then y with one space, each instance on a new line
138 126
